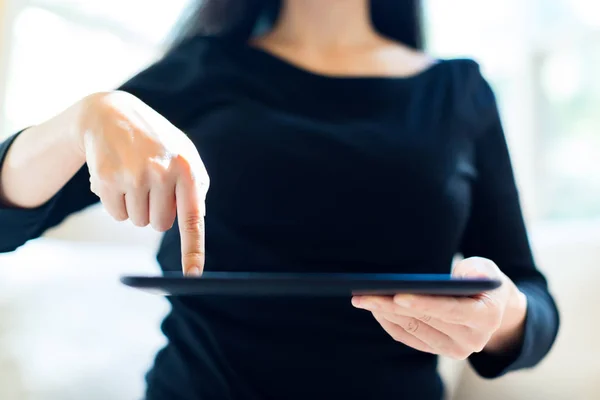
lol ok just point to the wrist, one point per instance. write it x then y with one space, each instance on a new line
510 333
77 119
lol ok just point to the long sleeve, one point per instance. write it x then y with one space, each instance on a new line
496 230
164 86
17 225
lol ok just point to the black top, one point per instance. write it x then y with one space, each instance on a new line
323 174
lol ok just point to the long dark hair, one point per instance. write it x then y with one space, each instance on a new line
399 20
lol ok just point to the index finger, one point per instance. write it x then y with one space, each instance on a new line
190 217
455 310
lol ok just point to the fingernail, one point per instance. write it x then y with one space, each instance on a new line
194 271
356 301
403 300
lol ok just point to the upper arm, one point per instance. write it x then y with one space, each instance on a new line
496 230
496 227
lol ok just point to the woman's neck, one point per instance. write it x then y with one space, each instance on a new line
324 24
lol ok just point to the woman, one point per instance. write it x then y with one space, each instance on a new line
332 143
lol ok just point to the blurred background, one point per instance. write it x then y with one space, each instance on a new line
541 56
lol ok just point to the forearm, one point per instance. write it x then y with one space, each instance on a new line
41 161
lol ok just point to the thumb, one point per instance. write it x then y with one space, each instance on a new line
190 217
476 267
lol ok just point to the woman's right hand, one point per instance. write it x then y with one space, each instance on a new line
144 169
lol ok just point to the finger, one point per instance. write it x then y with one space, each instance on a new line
114 204
136 202
374 303
464 335
454 310
438 341
400 335
162 207
190 216
466 339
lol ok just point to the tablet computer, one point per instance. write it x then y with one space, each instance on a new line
309 284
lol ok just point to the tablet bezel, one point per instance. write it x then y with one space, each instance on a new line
308 284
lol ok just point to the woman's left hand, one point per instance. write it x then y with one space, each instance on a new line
453 326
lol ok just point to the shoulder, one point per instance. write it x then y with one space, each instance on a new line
181 66
465 77
469 95
171 84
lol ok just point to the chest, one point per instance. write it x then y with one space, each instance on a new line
253 151
317 188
